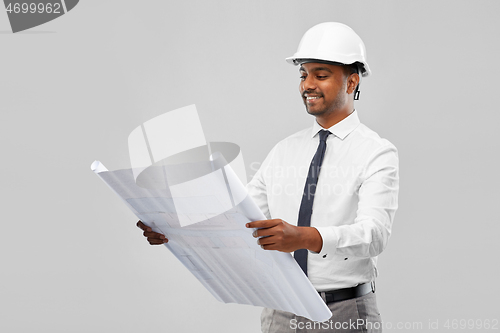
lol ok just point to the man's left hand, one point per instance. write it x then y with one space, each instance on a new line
279 235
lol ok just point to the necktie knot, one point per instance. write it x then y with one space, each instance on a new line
323 134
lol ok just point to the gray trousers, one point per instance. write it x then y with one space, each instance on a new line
352 315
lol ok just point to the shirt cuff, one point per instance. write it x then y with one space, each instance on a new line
330 242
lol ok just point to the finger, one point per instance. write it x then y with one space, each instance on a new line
266 240
143 226
263 232
257 224
269 247
155 241
263 223
152 234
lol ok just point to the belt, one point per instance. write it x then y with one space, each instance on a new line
347 293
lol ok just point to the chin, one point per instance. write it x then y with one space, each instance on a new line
315 112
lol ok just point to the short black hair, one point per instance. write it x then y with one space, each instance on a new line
351 69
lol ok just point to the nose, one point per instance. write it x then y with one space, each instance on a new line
308 83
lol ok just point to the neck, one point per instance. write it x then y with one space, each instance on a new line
328 120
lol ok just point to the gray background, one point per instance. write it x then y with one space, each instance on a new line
72 90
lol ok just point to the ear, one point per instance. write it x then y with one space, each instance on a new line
352 83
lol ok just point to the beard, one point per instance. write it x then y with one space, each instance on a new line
320 110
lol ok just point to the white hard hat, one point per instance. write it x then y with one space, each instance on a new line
333 42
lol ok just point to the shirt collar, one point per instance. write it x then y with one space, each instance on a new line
340 129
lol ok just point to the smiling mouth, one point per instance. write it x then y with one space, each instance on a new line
312 99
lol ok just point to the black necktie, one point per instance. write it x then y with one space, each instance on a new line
306 204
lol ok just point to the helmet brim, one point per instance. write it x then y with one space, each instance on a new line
365 70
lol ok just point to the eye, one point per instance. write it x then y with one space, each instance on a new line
303 77
321 77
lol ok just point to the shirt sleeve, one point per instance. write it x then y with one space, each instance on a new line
378 202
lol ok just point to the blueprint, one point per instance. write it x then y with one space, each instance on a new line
195 196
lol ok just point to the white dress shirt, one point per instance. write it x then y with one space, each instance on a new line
355 202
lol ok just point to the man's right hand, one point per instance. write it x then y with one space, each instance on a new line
154 238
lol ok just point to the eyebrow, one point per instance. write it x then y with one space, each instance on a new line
315 69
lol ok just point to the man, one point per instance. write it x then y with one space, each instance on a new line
330 191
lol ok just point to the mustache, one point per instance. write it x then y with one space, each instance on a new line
311 93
